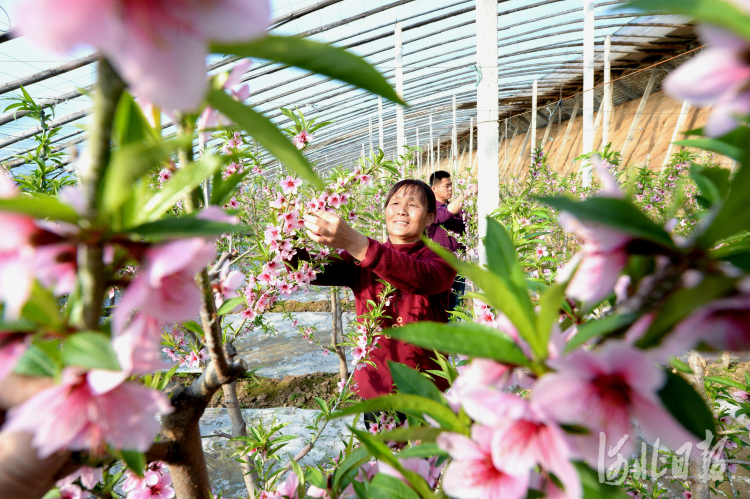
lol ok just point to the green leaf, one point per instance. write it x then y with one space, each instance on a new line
266 133
466 338
680 304
223 190
502 259
38 361
231 304
718 176
411 404
185 227
90 350
600 327
130 163
687 406
680 365
592 486
317 57
356 458
733 217
423 433
498 294
130 125
182 183
40 206
721 380
381 451
714 145
549 314
383 485
717 12
134 460
315 477
412 382
423 450
42 308
619 214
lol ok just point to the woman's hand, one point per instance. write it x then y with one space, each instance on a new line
331 230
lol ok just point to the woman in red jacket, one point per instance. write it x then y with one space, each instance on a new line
422 279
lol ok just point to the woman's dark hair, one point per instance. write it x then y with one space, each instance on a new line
422 191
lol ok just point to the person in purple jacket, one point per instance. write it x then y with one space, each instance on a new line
449 223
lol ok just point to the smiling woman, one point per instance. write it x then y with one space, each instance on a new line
422 279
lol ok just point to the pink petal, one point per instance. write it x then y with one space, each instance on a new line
706 77
57 25
232 20
596 276
238 71
657 422
459 446
11 352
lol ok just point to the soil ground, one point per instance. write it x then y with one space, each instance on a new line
291 391
309 306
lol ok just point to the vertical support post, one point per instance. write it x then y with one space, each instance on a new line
419 157
380 122
588 87
471 141
533 115
400 134
369 124
437 164
550 121
363 150
487 117
677 128
607 101
432 146
454 139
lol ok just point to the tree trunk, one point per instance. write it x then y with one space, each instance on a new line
699 482
336 325
726 359
239 428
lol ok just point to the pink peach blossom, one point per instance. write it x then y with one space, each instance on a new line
16 255
723 324
288 489
211 118
165 286
594 271
472 474
302 139
524 438
55 267
134 483
159 47
12 348
718 76
162 489
138 352
290 184
89 477
71 415
230 282
603 391
71 491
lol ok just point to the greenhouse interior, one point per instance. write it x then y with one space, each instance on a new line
285 249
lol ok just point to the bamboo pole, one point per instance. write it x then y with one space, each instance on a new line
638 113
678 126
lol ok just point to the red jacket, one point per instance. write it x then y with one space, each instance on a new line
423 281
